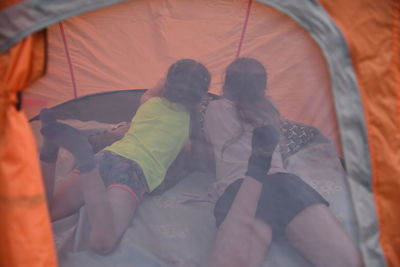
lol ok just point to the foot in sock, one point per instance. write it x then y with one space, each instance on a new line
48 150
47 117
72 140
263 143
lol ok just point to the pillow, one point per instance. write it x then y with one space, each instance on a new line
319 166
294 137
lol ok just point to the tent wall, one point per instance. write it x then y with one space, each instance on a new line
26 238
7 3
350 116
372 30
172 32
153 34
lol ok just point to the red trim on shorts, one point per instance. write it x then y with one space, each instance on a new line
129 190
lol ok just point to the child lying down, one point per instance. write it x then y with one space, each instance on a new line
178 168
112 183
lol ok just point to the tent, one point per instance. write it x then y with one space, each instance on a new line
332 64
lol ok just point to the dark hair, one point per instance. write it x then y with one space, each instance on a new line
187 82
245 84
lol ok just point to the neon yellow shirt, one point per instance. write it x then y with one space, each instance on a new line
158 132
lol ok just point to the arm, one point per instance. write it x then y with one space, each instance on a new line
101 140
158 90
176 171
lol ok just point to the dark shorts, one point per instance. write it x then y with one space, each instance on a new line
283 196
117 171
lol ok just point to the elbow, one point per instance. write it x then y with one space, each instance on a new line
353 259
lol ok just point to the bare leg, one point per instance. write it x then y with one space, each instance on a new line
109 212
317 234
48 173
66 198
238 237
260 241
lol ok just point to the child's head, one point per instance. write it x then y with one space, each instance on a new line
245 80
245 84
187 81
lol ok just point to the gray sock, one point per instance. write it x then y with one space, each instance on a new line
72 140
48 150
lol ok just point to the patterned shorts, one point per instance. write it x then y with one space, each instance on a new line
117 171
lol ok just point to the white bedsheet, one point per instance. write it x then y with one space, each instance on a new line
168 232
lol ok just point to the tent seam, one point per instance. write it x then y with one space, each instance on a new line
245 23
69 60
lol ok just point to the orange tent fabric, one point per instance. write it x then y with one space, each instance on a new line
26 233
7 3
138 53
372 30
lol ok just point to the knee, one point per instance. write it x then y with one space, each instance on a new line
346 255
103 244
262 231
352 258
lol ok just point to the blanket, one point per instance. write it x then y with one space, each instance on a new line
173 230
